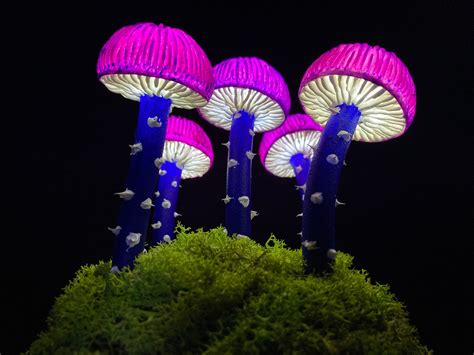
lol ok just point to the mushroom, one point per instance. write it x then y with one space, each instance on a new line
161 67
187 154
358 92
249 96
287 151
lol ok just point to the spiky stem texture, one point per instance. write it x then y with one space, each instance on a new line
142 177
319 206
239 174
165 203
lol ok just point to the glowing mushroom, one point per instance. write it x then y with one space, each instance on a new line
358 92
161 67
287 151
249 96
187 154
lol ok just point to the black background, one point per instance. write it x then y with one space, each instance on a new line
408 218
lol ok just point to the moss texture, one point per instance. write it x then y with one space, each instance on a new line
211 294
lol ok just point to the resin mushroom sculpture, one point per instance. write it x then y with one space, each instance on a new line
187 154
357 92
160 67
249 97
287 150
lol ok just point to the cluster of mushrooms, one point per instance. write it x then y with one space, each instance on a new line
352 92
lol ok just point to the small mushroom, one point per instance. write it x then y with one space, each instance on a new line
249 97
187 154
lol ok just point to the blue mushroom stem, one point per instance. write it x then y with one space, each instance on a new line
165 203
239 174
300 166
142 179
319 206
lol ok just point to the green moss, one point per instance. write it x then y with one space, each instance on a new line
208 293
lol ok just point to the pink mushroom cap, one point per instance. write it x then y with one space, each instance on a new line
249 84
373 64
188 145
157 51
299 132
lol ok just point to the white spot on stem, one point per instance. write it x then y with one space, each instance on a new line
344 135
310 245
227 199
226 144
237 115
135 148
147 204
166 203
251 132
126 194
298 169
153 122
167 238
157 193
156 225
116 230
176 214
331 253
317 198
250 155
232 163
132 239
332 159
253 214
174 184
244 201
162 172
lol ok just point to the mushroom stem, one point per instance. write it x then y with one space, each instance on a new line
300 166
321 189
165 203
142 178
237 211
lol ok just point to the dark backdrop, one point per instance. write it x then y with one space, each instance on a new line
408 218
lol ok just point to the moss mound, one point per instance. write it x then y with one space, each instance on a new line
208 293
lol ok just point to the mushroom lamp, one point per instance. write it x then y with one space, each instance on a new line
357 92
187 154
249 96
287 150
161 67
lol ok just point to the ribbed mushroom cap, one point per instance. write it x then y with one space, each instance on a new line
149 59
188 145
296 135
248 84
373 79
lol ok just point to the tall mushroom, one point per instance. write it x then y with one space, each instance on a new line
187 154
287 150
249 96
160 67
358 92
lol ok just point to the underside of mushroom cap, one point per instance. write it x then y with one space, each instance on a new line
149 59
373 79
189 146
247 84
298 134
